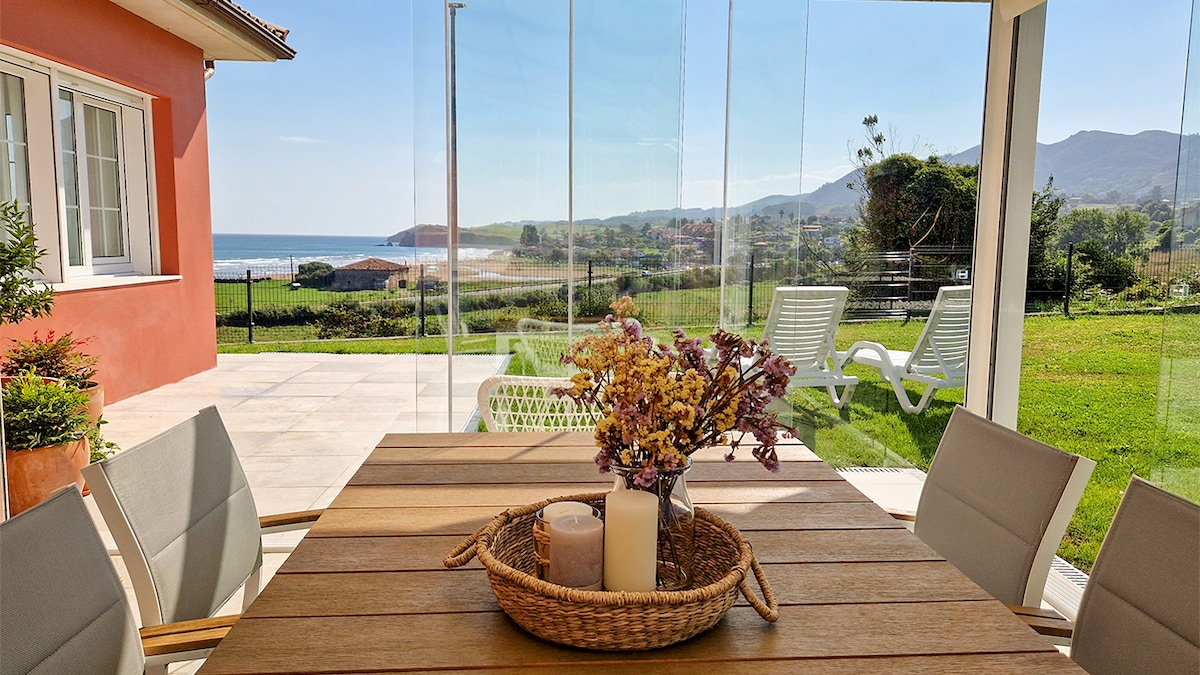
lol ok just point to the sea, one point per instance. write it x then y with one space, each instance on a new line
233 254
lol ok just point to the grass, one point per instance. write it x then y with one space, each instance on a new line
1089 385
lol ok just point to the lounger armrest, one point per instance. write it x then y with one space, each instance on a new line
185 637
1045 621
285 522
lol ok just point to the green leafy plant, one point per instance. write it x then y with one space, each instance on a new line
59 357
100 448
20 296
38 412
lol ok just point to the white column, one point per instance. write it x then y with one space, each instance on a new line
1014 80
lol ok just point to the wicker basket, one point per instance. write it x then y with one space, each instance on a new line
614 620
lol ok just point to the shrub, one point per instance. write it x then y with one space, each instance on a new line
59 358
38 413
314 274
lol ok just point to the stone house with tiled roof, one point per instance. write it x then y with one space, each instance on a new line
372 274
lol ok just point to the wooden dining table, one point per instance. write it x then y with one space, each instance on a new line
366 591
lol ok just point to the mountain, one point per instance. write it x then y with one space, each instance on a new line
435 235
1088 162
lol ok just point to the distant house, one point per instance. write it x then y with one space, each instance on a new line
104 139
372 274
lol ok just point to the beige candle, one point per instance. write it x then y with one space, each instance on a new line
541 536
577 559
630 540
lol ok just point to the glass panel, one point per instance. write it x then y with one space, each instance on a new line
512 76
104 182
1089 380
1179 378
892 240
70 167
627 140
14 159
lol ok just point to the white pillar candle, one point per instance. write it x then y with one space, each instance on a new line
630 540
577 545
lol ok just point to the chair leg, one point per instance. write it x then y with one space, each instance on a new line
157 669
251 588
844 399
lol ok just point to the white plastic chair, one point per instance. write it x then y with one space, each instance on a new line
520 403
800 327
939 359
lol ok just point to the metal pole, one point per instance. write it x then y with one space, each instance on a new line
292 267
421 290
452 202
249 308
589 275
1067 284
750 304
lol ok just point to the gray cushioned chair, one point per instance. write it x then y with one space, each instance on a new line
62 608
180 510
996 504
1140 612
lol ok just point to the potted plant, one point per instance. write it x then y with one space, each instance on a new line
45 435
62 358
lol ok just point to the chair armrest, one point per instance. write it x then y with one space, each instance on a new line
186 636
1045 621
903 515
285 522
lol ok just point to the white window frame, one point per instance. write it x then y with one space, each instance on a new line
43 81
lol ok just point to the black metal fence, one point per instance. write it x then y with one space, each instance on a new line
268 304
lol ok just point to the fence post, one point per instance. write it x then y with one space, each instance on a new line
421 290
589 274
249 308
750 304
1067 285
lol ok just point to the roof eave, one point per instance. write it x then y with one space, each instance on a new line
224 31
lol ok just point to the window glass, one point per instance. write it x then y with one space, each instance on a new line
104 177
14 176
66 130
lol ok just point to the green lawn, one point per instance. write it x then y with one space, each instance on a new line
1089 385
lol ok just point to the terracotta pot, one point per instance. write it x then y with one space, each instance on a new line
34 474
95 406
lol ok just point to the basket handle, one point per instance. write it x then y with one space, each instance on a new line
464 552
768 610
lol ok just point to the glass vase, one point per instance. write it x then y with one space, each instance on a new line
676 523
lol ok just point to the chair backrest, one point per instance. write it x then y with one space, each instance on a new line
518 403
543 343
1140 612
942 347
62 608
801 324
180 509
996 504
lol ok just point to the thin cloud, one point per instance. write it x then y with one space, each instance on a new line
300 139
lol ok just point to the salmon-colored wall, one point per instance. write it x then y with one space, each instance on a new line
146 335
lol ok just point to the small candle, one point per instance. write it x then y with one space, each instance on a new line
541 537
630 540
577 543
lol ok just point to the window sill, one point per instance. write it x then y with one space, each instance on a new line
110 281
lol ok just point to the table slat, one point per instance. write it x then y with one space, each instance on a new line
505 495
338 644
573 472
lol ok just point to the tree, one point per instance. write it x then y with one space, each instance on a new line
529 236
912 202
1117 232
314 274
20 296
1043 223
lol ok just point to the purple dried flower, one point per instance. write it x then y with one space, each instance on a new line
646 476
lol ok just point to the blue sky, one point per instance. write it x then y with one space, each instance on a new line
332 142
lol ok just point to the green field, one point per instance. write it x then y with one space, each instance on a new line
1089 385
